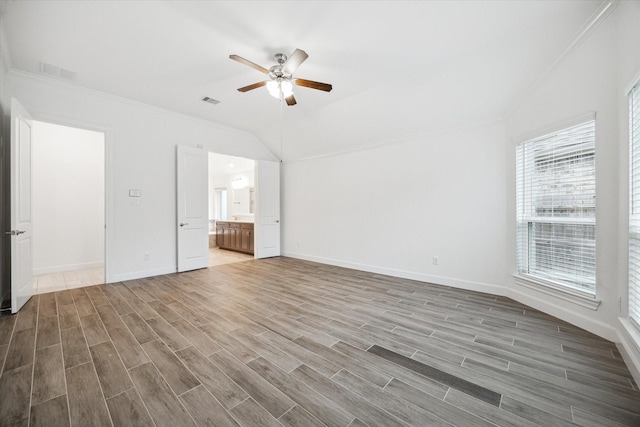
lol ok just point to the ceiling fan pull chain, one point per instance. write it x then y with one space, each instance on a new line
281 127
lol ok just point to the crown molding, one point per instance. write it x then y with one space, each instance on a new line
4 48
599 16
116 98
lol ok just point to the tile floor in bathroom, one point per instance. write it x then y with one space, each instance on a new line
95 276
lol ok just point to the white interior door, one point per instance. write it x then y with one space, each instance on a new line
193 223
21 228
267 218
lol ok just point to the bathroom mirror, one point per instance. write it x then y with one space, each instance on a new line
243 201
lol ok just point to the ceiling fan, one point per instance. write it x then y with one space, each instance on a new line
281 80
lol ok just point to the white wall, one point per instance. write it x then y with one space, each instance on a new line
4 66
392 208
141 154
67 198
588 79
5 224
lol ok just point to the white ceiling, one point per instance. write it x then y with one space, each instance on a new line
397 68
219 164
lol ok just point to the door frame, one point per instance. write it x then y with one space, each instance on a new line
256 221
108 177
230 190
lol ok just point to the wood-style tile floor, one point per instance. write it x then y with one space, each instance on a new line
288 342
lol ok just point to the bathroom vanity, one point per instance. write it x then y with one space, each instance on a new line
235 236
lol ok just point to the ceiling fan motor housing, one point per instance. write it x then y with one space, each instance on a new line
276 72
281 58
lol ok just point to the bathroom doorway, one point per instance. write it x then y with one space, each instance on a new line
231 200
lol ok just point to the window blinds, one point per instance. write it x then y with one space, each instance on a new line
556 198
634 205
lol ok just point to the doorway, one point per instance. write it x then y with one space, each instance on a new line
231 198
68 196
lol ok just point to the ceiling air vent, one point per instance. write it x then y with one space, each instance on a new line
56 71
211 100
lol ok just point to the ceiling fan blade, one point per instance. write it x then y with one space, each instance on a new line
313 85
294 61
251 87
290 100
249 63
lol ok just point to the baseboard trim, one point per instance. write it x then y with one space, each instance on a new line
628 343
598 328
142 274
405 274
67 267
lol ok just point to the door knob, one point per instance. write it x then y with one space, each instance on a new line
182 224
277 221
15 232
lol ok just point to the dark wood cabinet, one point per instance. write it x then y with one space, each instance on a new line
235 236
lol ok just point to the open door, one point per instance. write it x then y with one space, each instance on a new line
267 222
21 228
193 223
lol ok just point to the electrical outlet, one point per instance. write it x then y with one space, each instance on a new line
146 256
436 260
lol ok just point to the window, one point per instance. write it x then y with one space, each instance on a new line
634 204
556 209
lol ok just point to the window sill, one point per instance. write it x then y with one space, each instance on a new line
569 295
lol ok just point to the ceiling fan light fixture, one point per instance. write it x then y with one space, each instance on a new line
280 88
287 88
274 88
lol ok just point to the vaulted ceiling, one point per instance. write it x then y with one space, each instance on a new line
397 68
